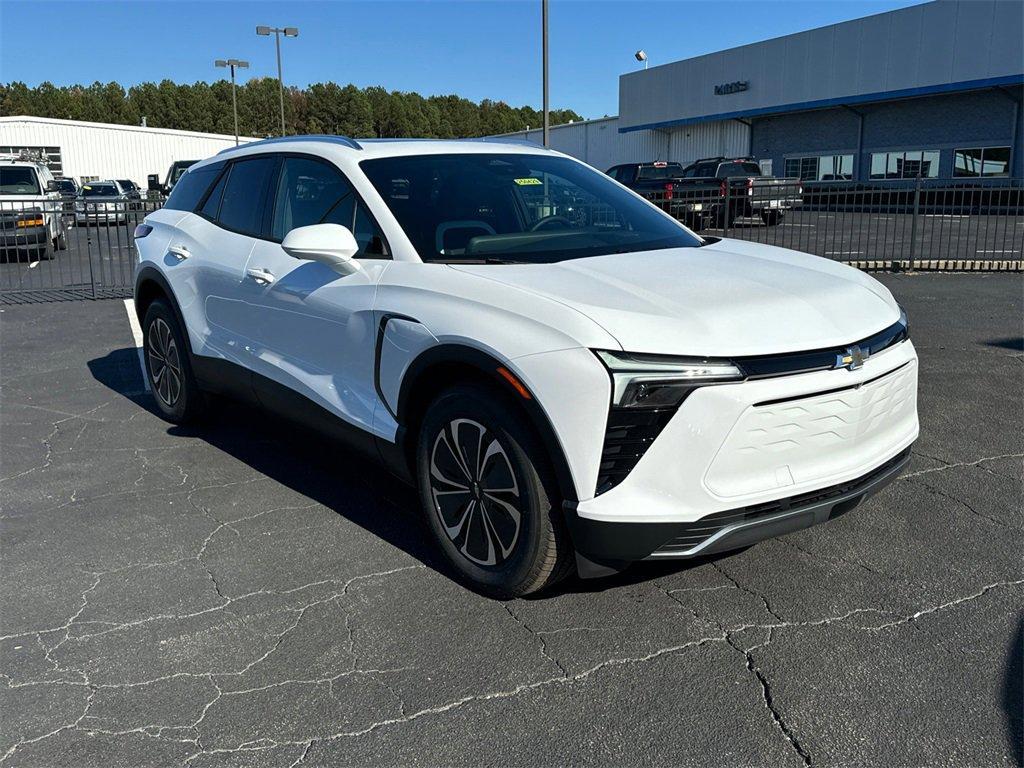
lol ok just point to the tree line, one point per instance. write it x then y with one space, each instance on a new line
320 108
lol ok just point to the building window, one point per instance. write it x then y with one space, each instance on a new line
905 165
820 167
982 161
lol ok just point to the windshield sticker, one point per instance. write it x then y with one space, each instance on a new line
527 181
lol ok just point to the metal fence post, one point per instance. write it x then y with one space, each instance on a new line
913 223
727 209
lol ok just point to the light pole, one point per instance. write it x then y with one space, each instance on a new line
544 56
288 32
234 100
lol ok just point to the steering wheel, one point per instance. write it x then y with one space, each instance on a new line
547 221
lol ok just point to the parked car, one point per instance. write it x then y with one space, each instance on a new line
569 377
102 202
30 219
750 192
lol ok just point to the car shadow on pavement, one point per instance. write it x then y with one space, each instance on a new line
328 473
1016 343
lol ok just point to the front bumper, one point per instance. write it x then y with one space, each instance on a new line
788 448
24 239
100 217
613 545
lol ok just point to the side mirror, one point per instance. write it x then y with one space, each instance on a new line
153 183
330 244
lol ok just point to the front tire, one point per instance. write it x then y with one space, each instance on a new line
177 395
488 495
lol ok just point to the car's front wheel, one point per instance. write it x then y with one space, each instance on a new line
167 365
488 494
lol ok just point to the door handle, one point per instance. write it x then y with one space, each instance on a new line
263 276
180 252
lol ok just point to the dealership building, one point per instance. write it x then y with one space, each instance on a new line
933 89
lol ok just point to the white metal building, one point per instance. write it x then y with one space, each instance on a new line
90 151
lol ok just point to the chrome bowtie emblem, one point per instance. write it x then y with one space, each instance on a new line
852 359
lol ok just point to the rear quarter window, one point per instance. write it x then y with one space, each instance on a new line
190 189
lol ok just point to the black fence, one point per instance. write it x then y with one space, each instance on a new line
71 249
68 249
912 223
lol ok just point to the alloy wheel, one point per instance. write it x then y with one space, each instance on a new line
164 363
475 493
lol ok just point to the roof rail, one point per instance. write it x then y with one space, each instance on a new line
343 140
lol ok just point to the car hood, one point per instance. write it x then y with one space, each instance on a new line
727 298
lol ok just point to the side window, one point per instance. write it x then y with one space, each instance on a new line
368 235
245 195
212 204
310 192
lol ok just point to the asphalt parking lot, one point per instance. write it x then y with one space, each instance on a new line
244 594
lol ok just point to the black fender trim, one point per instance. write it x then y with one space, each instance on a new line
488 366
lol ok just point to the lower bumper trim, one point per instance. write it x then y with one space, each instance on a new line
613 545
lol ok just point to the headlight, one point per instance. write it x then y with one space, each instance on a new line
661 381
904 321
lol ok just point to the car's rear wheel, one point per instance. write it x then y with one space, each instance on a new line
60 242
771 218
488 494
167 365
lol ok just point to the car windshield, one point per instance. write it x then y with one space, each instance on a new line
660 171
99 190
18 180
126 184
67 186
496 208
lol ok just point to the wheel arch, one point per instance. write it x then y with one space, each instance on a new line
150 284
444 365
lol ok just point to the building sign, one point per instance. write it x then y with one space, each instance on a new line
735 87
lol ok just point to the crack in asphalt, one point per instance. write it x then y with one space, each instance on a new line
945 494
948 465
538 636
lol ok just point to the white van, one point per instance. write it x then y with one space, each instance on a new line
30 215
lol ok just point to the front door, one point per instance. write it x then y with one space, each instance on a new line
312 327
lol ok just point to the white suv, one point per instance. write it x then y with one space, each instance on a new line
569 376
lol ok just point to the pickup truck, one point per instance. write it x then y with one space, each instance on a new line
698 192
750 192
657 181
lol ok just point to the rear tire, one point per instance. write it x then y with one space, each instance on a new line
60 242
488 494
174 388
771 218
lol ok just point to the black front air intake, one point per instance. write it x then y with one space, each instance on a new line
629 434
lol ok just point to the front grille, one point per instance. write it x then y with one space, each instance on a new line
699 531
629 434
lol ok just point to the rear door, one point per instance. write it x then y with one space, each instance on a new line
217 241
314 328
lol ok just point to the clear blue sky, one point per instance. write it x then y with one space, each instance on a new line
475 49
